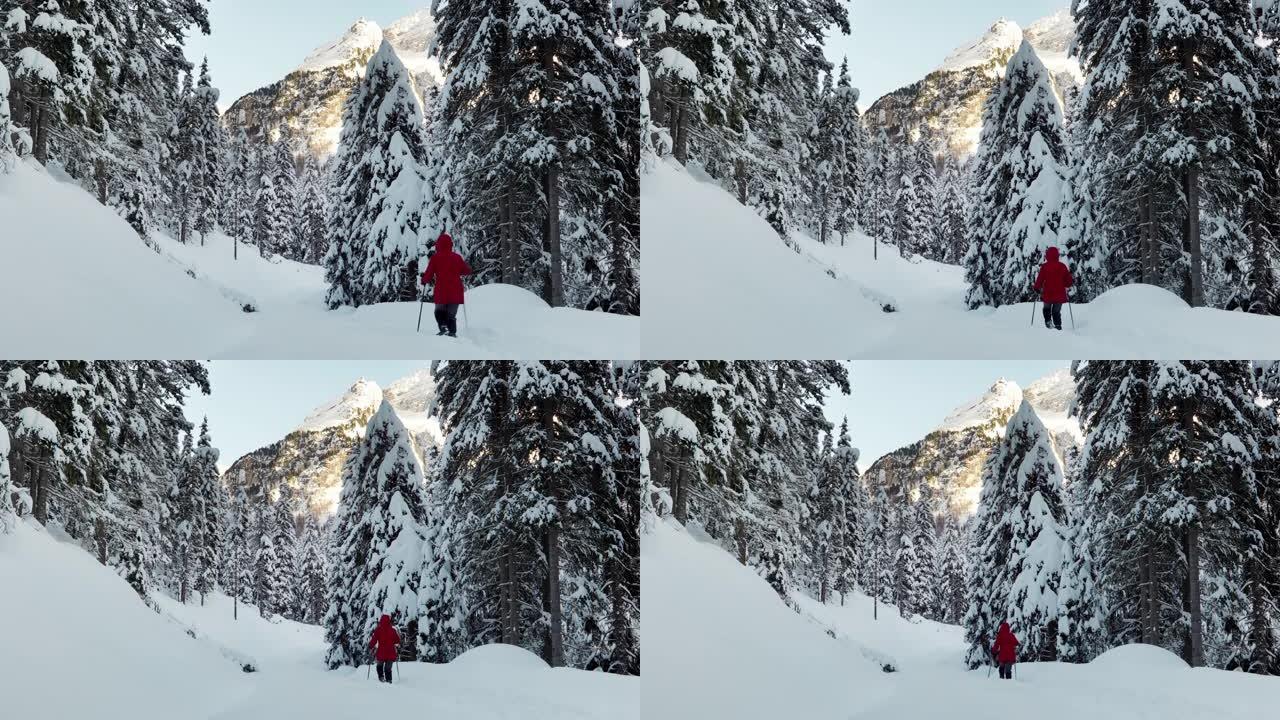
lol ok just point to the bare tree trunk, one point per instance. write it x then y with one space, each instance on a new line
740 538
740 177
554 648
1193 651
680 129
100 176
680 503
1195 270
40 503
100 537
555 266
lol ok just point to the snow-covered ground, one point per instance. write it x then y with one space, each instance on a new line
78 643
75 281
719 283
721 644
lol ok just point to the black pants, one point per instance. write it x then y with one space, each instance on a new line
1053 315
447 318
384 671
1006 671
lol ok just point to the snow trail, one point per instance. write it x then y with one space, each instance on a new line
722 284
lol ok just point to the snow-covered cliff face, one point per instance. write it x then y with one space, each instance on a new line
950 458
949 100
310 458
307 103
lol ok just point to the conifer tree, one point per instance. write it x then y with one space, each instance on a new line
950 601
1015 571
6 483
378 538
852 528
276 221
206 488
1019 174
915 560
311 601
378 177
210 140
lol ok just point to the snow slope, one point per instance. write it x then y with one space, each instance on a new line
80 644
722 645
77 282
719 643
720 283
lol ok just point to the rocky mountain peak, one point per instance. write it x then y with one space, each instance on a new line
306 105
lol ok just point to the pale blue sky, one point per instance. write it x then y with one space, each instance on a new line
257 42
897 42
257 402
897 402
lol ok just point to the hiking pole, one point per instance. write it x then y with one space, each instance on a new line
1033 313
368 669
1073 316
422 303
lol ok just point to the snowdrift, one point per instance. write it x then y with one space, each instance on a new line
719 283
78 643
75 281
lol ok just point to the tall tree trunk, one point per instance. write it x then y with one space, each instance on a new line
680 503
100 537
680 128
1195 270
554 647
555 266
1193 650
40 501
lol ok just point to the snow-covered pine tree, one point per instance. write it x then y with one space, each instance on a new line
397 546
1081 616
1018 538
949 602
238 578
915 562
852 528
312 240
1019 180
951 239
311 601
276 223
241 193
48 50
379 537
1174 512
690 65
7 515
378 178
271 560
915 208
7 154
878 578
822 518
206 487
851 155
210 140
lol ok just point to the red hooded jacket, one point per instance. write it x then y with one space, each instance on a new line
1006 647
1054 278
446 270
385 638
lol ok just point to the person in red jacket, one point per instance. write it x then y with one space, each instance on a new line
446 269
1052 282
386 645
1005 651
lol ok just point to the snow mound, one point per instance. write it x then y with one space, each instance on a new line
508 658
719 643
1124 300
1144 658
